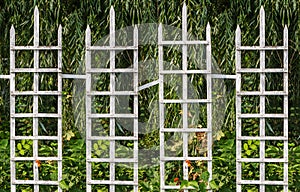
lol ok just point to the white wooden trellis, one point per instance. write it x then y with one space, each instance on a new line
36 70
112 93
185 130
262 115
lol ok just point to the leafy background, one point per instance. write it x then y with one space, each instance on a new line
223 15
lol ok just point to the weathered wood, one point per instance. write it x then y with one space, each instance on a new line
88 105
112 105
36 54
286 108
12 100
238 101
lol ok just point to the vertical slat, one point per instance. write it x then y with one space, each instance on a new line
161 109
285 105
112 98
35 97
12 110
136 106
88 109
184 94
262 97
238 108
209 97
59 105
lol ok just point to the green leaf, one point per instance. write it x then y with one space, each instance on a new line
202 187
103 147
194 184
248 152
19 146
98 152
213 184
26 146
249 142
22 152
184 183
3 143
95 146
245 146
63 185
254 147
205 176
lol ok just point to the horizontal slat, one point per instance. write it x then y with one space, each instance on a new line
267 70
106 182
114 93
38 70
262 116
174 72
265 138
176 187
262 93
116 160
73 76
222 76
257 182
49 115
36 93
113 116
106 70
181 130
4 76
38 158
264 160
108 48
186 101
35 137
36 48
185 158
31 182
111 138
183 42
258 48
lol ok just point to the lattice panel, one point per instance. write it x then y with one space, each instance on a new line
262 114
185 159
36 116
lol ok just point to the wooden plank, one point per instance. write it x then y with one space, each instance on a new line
88 104
185 135
37 48
12 100
262 121
161 108
187 42
136 107
59 106
286 107
261 48
35 97
112 55
238 109
209 104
